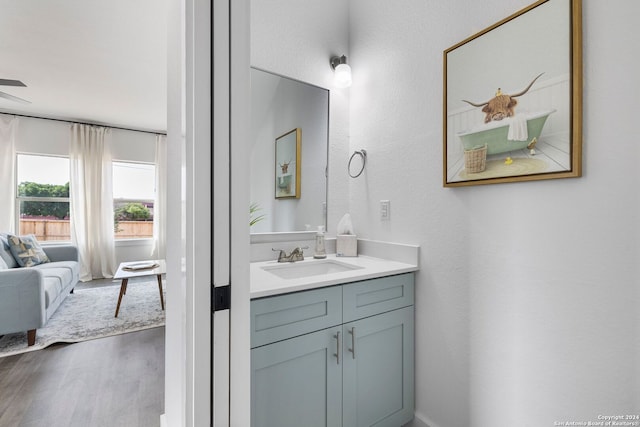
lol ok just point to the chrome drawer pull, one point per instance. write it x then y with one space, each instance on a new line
353 341
337 354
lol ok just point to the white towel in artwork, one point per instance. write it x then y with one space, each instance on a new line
518 128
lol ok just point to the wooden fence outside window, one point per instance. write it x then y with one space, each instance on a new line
58 229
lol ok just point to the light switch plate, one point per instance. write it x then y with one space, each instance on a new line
385 210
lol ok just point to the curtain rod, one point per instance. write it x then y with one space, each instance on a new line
84 123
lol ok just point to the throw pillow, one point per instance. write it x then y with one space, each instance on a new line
26 250
5 252
3 265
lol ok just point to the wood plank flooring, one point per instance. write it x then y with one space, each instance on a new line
114 381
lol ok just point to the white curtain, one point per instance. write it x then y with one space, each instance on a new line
159 250
8 127
92 200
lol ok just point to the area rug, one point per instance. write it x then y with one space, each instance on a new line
89 314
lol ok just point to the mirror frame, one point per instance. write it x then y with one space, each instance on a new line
283 145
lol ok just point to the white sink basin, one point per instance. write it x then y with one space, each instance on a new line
297 270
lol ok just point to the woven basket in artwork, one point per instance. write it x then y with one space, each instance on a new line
475 160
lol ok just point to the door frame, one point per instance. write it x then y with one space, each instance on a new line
208 94
240 106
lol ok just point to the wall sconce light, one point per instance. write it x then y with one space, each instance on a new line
342 76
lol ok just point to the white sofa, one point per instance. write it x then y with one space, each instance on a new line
30 295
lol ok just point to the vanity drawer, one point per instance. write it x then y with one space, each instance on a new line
371 297
286 316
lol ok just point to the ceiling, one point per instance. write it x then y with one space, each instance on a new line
90 61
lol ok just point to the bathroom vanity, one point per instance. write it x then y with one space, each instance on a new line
331 339
333 343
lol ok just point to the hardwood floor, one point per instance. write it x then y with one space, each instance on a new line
114 381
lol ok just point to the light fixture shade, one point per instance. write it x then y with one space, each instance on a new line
342 77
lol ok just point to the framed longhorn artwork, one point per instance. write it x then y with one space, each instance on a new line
513 99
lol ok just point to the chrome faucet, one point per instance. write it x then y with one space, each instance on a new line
296 254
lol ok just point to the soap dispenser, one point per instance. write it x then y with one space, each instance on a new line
320 251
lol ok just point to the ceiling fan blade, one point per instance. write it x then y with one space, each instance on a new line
13 98
6 82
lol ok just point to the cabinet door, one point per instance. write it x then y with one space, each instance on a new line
298 382
378 376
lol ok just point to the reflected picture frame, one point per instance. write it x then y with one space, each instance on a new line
288 169
512 99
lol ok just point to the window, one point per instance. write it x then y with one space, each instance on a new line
42 196
133 196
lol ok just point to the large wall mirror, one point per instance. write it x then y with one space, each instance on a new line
278 105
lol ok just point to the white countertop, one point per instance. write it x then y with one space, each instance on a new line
264 283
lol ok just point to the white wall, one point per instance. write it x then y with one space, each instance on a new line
527 297
41 136
45 136
296 39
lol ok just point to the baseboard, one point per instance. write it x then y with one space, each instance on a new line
163 421
419 422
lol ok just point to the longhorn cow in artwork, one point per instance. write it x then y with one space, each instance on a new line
284 167
501 105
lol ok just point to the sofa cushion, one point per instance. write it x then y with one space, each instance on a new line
26 250
55 281
71 265
3 265
67 271
52 289
5 252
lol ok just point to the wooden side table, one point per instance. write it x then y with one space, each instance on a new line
127 270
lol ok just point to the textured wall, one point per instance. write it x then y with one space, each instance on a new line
41 136
296 39
527 297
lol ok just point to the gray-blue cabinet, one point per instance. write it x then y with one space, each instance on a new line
336 356
297 382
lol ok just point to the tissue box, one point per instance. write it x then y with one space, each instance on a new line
346 245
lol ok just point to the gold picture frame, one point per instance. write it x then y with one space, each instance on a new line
288 168
513 99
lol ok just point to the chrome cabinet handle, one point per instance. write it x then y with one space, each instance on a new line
337 354
353 341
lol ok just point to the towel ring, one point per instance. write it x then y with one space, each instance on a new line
363 154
